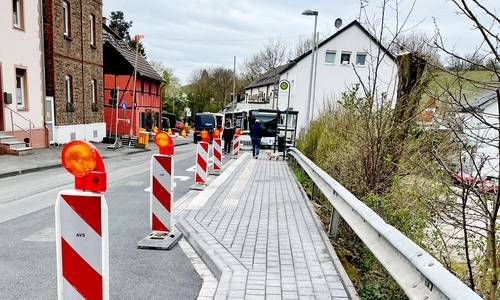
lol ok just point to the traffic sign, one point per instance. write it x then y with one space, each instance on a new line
283 95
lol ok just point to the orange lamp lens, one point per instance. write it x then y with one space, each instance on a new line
155 129
162 139
216 133
79 158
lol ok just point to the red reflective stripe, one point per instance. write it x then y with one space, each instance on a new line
201 162
161 194
199 179
80 274
218 155
204 146
165 162
158 225
88 208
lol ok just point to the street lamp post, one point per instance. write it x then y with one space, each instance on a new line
314 13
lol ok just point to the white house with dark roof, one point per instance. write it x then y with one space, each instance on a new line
481 128
350 50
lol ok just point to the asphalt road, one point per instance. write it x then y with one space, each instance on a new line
27 252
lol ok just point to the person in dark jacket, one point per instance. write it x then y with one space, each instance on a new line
227 136
256 136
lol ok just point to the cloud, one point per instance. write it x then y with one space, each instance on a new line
190 34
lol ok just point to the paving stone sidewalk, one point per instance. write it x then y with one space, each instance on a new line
47 158
259 235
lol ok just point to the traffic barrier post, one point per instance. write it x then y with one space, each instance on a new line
217 152
81 221
202 156
236 146
161 198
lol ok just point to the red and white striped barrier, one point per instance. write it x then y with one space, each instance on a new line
217 146
162 193
201 163
82 245
236 146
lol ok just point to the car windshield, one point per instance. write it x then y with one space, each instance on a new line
204 121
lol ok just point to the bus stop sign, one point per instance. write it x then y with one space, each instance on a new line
283 95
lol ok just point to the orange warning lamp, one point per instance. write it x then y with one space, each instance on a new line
84 161
164 143
216 133
237 132
205 136
155 129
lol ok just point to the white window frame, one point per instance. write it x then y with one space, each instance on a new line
17 20
66 18
361 53
92 29
21 92
334 52
350 56
93 90
68 85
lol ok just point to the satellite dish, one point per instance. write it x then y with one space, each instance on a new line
338 23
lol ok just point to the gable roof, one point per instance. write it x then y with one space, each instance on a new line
268 77
143 67
353 23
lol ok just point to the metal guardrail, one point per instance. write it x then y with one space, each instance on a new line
419 274
13 125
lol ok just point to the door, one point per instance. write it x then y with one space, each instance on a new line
49 117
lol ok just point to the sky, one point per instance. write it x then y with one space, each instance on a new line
192 34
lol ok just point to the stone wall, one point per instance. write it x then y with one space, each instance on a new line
74 56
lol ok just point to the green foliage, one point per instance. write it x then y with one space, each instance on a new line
122 27
353 142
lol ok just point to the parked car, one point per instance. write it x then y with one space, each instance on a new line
179 126
202 121
460 177
489 185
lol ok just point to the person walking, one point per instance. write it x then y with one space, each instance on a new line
227 136
256 136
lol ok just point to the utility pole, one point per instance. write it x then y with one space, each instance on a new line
309 94
234 88
137 40
316 42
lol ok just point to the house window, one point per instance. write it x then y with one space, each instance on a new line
93 90
21 89
345 58
92 30
67 18
17 13
68 81
330 57
361 59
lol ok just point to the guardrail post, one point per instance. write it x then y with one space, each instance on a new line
334 223
314 192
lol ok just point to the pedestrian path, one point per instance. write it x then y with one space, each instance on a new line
257 232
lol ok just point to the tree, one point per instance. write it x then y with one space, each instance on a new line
274 53
472 214
120 26
171 90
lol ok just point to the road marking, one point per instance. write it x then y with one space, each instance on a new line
134 183
45 235
182 178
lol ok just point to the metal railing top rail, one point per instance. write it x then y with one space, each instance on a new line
19 115
417 272
31 124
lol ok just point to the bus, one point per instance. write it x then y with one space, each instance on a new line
244 119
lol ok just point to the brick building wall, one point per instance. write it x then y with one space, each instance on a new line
76 57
